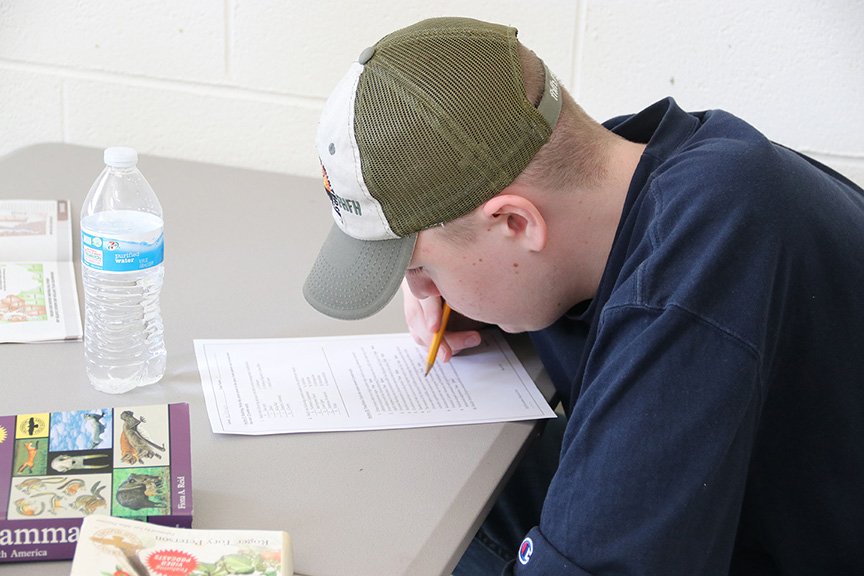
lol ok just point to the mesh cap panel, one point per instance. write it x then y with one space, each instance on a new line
442 122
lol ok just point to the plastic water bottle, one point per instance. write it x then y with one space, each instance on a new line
121 254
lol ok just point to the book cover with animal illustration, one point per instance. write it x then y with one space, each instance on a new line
119 547
56 468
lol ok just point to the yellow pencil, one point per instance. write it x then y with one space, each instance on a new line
436 341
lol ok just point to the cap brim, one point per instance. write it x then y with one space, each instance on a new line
353 279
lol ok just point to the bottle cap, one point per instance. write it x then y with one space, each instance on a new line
120 157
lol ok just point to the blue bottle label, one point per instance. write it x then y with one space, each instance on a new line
112 255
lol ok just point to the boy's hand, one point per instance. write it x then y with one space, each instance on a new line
423 318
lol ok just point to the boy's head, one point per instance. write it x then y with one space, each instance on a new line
429 124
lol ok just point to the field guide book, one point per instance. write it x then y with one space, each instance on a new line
57 468
120 547
38 294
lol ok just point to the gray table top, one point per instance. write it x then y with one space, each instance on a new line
238 245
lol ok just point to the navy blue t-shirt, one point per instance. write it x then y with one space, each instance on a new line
715 384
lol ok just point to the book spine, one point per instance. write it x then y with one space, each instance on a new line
181 461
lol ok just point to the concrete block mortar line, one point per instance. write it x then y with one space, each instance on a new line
229 38
578 47
197 88
64 111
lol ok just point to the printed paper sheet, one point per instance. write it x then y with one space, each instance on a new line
272 386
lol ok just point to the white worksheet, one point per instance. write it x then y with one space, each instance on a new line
369 382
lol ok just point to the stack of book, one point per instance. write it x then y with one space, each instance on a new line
57 468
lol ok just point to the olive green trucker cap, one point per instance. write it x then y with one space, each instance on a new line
426 126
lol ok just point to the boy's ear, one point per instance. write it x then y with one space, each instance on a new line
517 218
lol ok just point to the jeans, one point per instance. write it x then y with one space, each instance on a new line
517 509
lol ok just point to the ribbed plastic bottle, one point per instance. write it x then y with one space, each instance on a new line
121 254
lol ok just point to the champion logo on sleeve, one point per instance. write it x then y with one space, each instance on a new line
526 549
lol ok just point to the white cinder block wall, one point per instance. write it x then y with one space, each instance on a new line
241 82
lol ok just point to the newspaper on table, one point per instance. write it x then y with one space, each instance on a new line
38 293
367 382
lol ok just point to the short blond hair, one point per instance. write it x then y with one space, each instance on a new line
574 154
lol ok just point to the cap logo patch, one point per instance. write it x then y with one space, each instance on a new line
553 87
339 203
